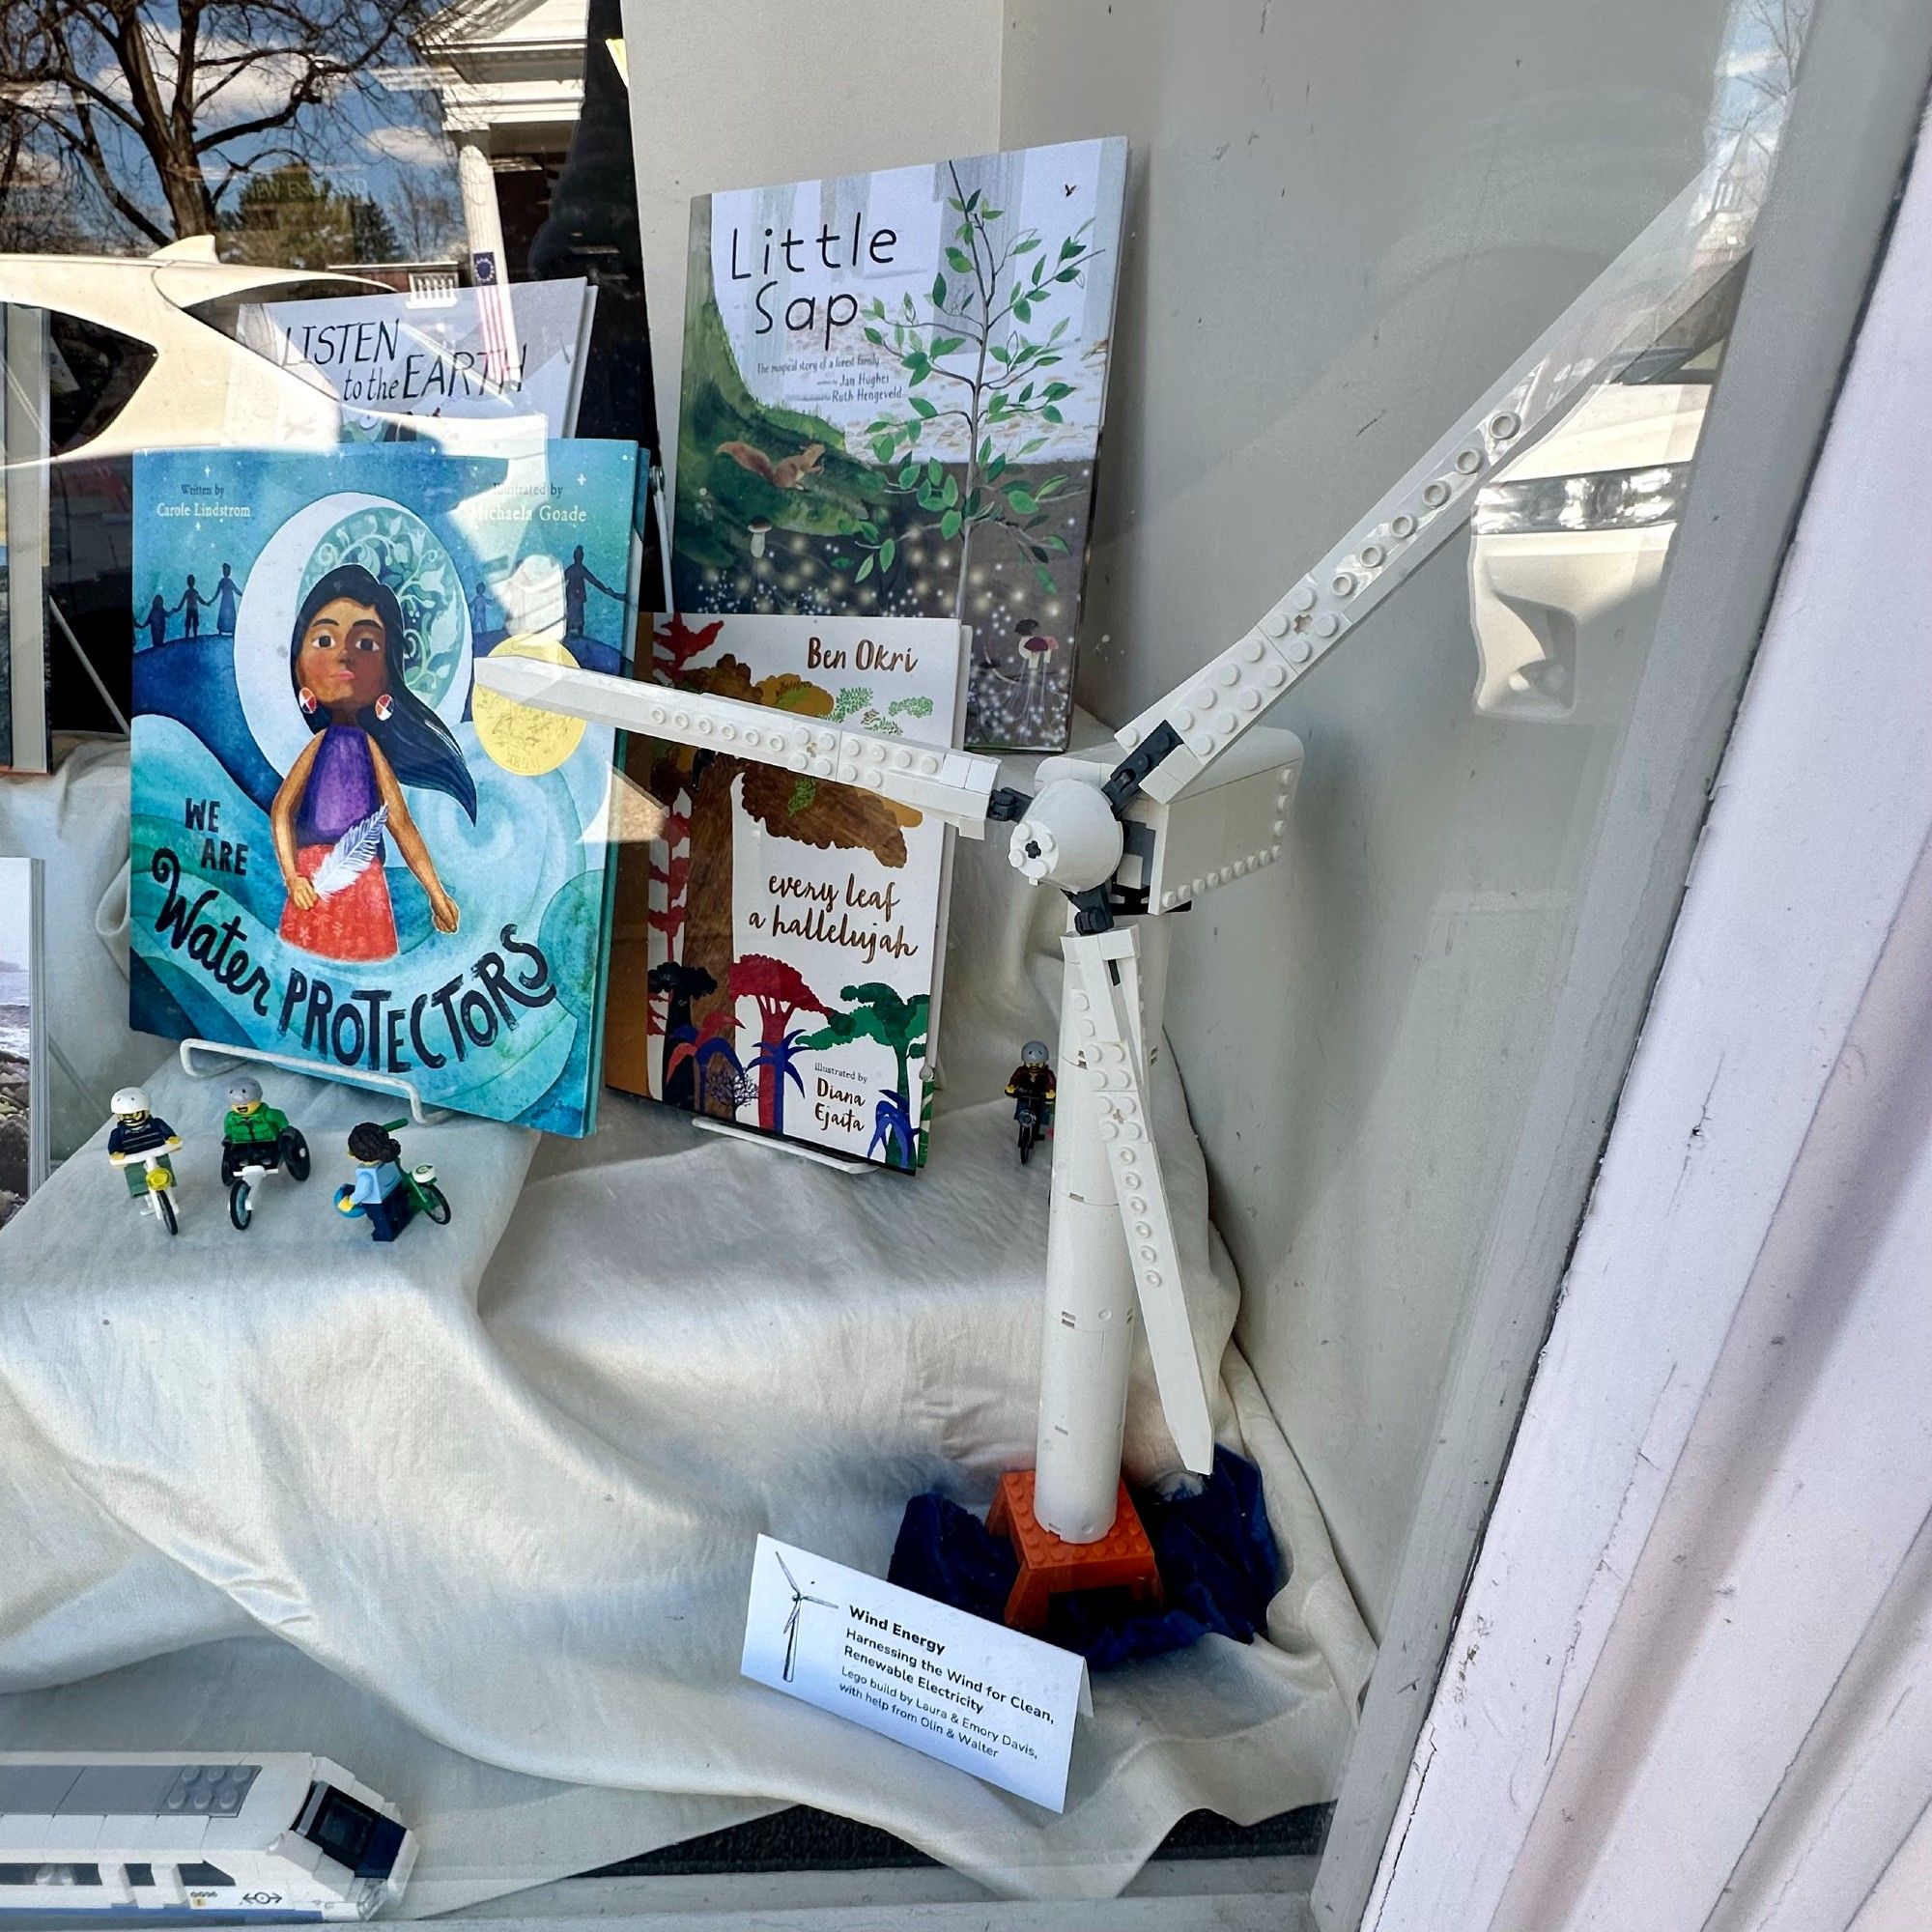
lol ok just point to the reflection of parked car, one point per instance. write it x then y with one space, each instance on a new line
139 351
150 351
1568 542
138 360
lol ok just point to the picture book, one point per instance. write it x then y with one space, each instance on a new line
24 744
791 929
892 400
23 1109
467 352
344 850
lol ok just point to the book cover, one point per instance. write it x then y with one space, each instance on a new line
892 401
791 929
342 849
467 352
24 744
24 1111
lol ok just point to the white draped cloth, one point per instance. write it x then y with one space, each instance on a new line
473 1513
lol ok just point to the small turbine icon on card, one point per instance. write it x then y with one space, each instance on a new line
799 1600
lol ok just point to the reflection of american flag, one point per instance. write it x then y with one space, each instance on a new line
492 298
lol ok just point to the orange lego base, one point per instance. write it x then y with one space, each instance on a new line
1049 1566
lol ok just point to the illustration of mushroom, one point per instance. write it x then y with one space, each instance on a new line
1040 652
760 528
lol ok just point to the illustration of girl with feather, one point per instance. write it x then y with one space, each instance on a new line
373 737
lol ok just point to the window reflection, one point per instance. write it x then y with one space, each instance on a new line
412 148
92 372
1568 543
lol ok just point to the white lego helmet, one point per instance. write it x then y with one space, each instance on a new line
131 1100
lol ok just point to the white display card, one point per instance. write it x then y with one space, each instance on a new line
969 1692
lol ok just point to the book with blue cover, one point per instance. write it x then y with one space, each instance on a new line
344 850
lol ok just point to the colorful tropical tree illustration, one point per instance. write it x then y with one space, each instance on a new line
876 1012
970 373
786 803
781 991
891 1129
668 774
671 875
708 1049
677 985
674 643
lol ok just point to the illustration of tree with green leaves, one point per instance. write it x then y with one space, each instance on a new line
964 362
855 700
875 1011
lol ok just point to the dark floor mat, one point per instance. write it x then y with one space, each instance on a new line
802 1839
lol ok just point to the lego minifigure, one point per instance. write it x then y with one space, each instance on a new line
1032 1090
256 1139
139 1146
386 1196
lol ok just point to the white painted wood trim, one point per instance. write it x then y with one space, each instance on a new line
1819 823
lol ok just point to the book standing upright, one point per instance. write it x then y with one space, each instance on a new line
793 928
25 742
24 1083
892 402
471 354
343 850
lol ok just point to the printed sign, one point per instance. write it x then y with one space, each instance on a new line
971 1693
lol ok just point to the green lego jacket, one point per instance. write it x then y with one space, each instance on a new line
265 1124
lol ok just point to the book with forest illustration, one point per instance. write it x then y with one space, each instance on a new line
344 849
892 401
788 930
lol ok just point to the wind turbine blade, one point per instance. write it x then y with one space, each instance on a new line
1664 273
788 1577
1103 985
953 786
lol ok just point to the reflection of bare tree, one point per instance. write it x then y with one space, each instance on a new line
426 212
161 110
36 217
1757 66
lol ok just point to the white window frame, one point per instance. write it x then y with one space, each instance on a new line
1674 1695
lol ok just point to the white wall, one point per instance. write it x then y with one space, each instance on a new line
736 93
1346 218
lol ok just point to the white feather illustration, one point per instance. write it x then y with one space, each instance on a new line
350 856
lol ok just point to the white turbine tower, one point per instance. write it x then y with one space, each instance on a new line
1196 800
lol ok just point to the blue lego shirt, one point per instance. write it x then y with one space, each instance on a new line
376 1184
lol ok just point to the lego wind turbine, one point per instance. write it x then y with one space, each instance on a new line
1197 799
